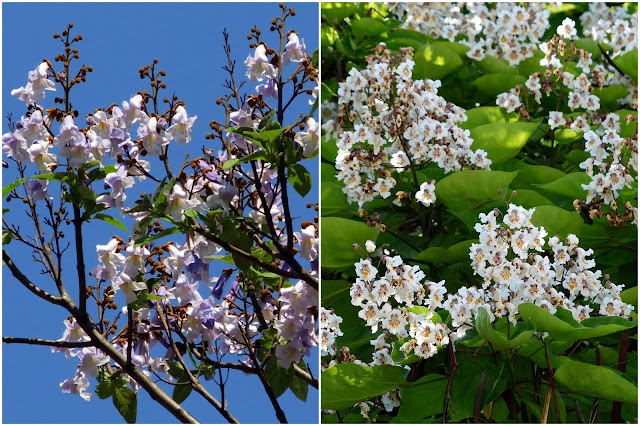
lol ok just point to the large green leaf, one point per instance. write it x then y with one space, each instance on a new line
367 27
562 326
569 185
609 95
456 253
332 197
487 115
502 141
338 237
279 378
528 199
494 84
435 61
557 221
256 155
530 175
596 381
126 401
13 185
299 387
421 399
467 383
492 65
628 63
498 339
471 189
337 11
111 220
300 178
346 384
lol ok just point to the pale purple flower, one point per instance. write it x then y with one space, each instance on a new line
295 50
259 66
309 140
181 129
38 83
289 353
91 359
268 89
77 385
127 286
37 188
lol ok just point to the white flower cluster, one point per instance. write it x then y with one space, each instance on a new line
613 25
613 161
505 30
397 123
558 51
511 260
403 283
329 330
515 270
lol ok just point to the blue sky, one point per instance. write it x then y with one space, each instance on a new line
117 40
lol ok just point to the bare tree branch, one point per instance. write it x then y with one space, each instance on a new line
56 300
43 342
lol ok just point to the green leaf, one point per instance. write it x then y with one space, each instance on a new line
492 65
562 326
456 253
569 186
337 11
346 384
494 84
13 185
59 176
471 189
435 61
332 198
279 378
609 95
499 340
256 155
267 119
591 46
7 236
466 384
596 381
502 141
529 199
530 175
300 178
299 387
367 27
126 401
628 63
557 221
143 240
487 115
181 392
337 240
567 136
630 296
111 220
421 399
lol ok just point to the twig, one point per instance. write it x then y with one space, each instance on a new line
43 342
616 409
56 300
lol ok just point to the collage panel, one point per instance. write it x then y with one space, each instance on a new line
160 213
479 212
